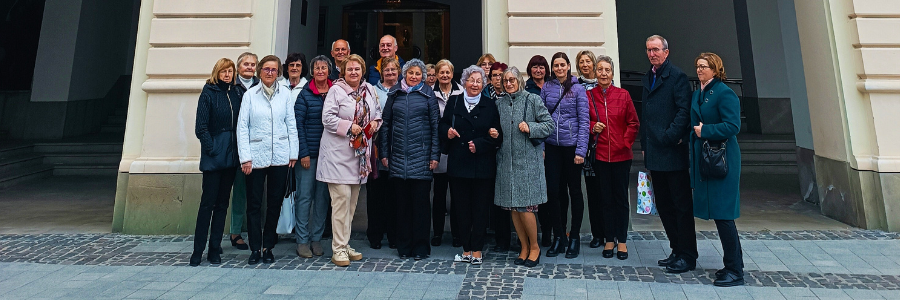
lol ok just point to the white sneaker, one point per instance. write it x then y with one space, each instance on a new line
353 255
462 258
340 258
477 260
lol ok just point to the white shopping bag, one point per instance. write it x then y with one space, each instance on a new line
646 200
286 219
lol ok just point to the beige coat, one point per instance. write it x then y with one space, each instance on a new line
337 162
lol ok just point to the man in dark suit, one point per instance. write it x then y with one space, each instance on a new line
340 49
664 136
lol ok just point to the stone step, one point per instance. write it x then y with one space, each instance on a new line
82 158
12 164
25 174
15 150
75 147
85 170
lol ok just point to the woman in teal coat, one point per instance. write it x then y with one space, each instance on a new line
716 117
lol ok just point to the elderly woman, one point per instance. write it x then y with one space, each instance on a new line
445 89
295 67
586 74
430 77
716 120
565 150
537 74
485 62
381 207
520 185
351 115
311 205
246 78
466 129
409 148
614 127
267 145
217 112
495 90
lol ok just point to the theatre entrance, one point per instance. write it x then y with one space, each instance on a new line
422 28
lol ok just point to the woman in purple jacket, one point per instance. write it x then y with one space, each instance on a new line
564 153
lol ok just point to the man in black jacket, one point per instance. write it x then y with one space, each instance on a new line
664 136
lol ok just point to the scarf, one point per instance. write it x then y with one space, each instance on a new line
360 142
588 84
495 95
409 89
246 82
471 101
269 90
378 63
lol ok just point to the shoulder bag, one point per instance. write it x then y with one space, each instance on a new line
713 161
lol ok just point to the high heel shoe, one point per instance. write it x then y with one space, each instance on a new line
532 263
234 242
621 255
608 253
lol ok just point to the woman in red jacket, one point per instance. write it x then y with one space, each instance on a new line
614 126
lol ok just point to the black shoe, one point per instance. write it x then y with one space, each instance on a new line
214 256
268 257
596 242
532 263
376 245
196 258
574 248
518 261
729 279
563 245
457 243
666 261
404 256
234 243
608 253
720 274
680 265
622 255
254 258
554 246
419 257
436 241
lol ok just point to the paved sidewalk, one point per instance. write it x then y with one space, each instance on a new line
789 265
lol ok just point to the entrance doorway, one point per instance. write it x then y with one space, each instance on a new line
422 28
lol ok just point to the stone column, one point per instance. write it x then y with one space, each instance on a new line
850 51
178 43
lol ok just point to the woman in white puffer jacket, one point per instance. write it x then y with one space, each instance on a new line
268 148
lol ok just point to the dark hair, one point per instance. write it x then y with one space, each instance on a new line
498 66
295 57
537 60
567 85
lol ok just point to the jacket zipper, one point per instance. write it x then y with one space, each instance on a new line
608 136
406 157
231 109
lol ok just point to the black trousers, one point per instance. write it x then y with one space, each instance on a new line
413 216
595 207
676 211
612 180
472 198
563 183
439 206
270 180
213 207
381 209
731 246
500 223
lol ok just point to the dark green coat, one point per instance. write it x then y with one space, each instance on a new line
720 111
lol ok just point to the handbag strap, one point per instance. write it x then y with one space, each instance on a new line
596 112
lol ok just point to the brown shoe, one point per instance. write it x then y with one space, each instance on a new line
340 258
303 251
317 249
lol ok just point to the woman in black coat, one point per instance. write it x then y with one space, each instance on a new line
469 130
217 112
409 148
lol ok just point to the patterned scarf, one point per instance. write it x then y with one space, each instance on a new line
359 142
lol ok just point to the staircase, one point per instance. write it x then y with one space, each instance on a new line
760 154
86 156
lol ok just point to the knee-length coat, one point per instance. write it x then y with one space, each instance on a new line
718 107
520 165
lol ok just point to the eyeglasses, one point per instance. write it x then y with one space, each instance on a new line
511 80
474 81
702 67
270 70
496 75
654 50
486 64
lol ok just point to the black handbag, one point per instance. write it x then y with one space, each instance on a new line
592 144
223 154
714 162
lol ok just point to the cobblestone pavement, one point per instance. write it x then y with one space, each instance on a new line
779 265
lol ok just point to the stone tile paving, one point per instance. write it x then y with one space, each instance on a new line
154 267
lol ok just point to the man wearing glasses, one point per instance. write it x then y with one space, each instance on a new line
387 47
664 135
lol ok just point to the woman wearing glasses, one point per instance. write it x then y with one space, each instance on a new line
469 130
267 147
485 62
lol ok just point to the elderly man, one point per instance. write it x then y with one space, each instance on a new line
340 49
387 47
664 136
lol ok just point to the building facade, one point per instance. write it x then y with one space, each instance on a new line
824 73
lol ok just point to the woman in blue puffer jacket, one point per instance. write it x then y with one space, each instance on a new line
565 150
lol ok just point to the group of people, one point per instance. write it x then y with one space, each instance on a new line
509 150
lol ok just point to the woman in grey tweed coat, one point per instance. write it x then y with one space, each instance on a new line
520 164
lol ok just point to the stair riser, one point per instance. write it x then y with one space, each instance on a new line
84 171
19 165
89 148
14 181
15 151
93 160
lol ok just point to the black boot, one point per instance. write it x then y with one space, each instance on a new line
574 248
596 242
196 258
553 246
214 256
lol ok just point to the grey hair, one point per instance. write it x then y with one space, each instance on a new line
345 42
472 70
519 78
392 37
416 63
661 39
318 58
245 55
612 66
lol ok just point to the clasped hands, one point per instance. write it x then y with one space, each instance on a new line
452 134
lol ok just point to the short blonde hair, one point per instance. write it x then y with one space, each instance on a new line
589 55
715 64
266 59
430 67
442 63
222 64
486 56
356 58
390 61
